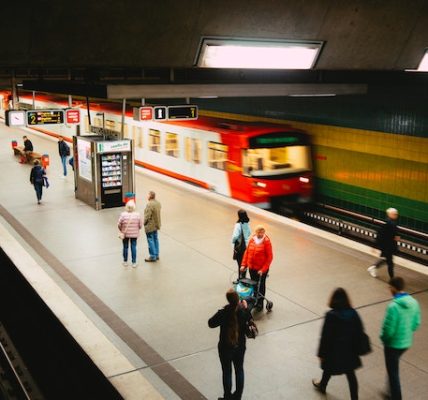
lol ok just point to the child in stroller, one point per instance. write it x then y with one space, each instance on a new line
249 291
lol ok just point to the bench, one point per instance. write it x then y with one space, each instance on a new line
30 157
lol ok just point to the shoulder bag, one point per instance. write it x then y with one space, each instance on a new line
120 234
239 246
251 330
364 346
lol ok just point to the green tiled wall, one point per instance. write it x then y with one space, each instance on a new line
413 214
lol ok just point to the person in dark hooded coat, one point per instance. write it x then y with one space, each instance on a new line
338 349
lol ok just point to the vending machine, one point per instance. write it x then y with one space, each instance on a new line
104 170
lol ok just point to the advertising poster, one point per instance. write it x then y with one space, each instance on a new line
85 161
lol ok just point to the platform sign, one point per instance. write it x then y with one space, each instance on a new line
146 113
178 113
45 117
160 113
15 117
72 116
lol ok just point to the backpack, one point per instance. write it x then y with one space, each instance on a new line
38 173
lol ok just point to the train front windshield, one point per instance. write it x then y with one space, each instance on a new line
274 161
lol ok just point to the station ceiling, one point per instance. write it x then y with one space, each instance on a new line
91 41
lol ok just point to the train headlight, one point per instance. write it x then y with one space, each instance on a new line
303 179
259 184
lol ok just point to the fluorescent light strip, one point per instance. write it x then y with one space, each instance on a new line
253 54
423 66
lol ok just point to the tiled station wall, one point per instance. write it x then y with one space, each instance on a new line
370 152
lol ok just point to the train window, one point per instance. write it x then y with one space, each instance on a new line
154 140
217 155
193 150
275 161
110 124
98 122
87 124
171 145
137 135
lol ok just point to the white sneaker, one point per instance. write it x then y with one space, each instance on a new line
134 265
125 263
372 271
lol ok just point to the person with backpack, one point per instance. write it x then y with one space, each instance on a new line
240 238
37 177
233 320
64 152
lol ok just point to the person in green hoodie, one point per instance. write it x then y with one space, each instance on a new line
402 319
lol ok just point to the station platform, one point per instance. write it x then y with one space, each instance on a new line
156 314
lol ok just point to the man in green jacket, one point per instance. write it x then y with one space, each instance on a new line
402 318
152 223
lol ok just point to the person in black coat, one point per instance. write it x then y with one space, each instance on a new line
340 337
28 149
37 176
387 243
232 320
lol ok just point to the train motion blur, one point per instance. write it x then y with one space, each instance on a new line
263 164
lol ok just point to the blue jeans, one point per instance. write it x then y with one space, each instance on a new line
64 164
133 249
392 359
227 358
153 242
38 187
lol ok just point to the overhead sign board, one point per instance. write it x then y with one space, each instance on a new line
45 117
72 116
15 117
182 112
146 113
160 113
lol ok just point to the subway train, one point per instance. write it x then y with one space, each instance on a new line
267 165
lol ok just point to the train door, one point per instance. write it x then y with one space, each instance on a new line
193 156
216 175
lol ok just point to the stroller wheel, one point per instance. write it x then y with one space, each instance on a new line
269 306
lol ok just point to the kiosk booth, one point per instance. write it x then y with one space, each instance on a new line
103 170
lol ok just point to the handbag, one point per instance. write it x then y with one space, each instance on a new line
251 330
364 346
120 234
239 245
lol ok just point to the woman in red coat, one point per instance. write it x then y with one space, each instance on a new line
258 258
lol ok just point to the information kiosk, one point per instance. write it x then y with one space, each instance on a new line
103 170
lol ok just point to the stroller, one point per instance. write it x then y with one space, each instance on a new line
249 291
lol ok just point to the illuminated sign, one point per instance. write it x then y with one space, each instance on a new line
146 113
113 146
160 113
278 139
182 112
72 116
45 117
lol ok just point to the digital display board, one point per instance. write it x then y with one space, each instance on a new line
182 112
45 117
278 139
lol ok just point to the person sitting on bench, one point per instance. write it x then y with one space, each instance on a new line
28 149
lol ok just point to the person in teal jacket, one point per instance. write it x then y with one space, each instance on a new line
402 319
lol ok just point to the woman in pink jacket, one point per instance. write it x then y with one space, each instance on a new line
130 224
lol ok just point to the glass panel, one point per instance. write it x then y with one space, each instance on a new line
275 161
87 124
154 140
140 137
110 124
197 151
171 145
217 155
188 149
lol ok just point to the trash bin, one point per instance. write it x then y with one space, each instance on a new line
14 144
128 196
45 160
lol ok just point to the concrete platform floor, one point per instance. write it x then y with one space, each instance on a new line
167 304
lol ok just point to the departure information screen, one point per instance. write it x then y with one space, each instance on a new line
182 112
45 117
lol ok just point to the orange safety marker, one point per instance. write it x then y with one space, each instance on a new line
45 160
